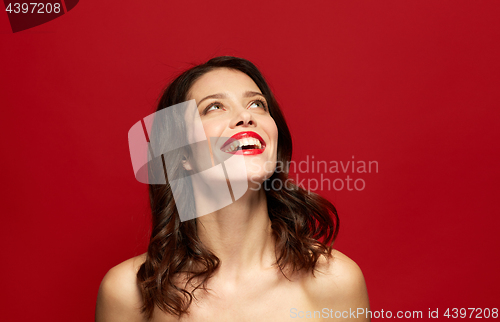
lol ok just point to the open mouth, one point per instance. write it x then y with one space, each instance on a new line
244 143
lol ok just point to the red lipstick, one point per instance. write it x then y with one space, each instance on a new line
246 143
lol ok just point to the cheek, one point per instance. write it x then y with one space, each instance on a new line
213 129
272 131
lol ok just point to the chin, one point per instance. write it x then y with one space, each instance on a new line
260 167
256 179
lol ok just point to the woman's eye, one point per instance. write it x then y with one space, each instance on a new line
258 104
213 108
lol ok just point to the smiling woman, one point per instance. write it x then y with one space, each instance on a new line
266 253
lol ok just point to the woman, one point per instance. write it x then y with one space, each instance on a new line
267 256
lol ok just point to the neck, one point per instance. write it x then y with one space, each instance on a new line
240 234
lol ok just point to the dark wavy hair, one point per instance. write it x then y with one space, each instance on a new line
304 224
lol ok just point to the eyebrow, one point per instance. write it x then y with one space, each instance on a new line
222 95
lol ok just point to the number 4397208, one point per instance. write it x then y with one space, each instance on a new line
33 7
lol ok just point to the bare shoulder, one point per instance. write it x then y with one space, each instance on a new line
339 270
339 283
119 297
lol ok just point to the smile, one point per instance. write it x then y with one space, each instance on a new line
246 143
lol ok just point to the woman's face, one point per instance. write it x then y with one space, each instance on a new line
235 114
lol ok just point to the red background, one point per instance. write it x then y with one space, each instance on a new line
413 85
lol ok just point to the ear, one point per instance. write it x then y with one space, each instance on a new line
186 164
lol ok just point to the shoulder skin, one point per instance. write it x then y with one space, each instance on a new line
339 285
119 298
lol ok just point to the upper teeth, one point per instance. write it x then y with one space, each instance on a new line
242 142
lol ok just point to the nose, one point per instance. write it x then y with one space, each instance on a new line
243 118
